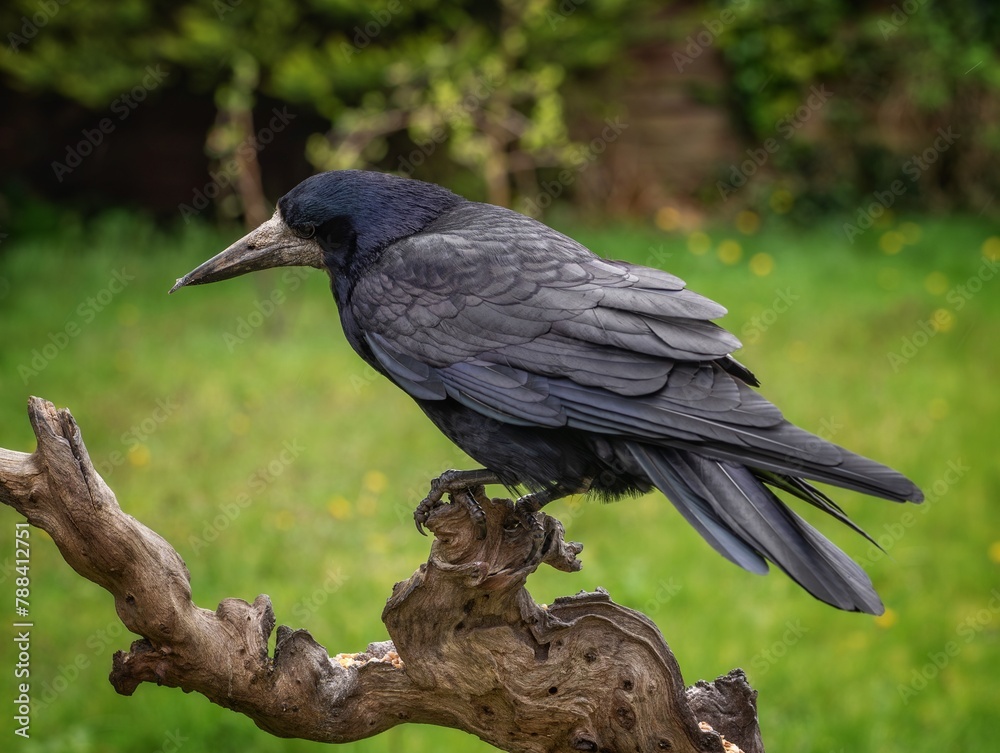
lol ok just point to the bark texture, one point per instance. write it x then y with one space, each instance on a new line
470 649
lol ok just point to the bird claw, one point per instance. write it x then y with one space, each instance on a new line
527 517
427 505
469 498
473 501
456 484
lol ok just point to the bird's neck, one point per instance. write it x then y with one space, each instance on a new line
390 215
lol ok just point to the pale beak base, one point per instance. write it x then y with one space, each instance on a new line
273 244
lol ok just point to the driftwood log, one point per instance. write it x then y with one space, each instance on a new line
470 649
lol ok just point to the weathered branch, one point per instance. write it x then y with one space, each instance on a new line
470 649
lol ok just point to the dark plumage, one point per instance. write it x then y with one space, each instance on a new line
561 371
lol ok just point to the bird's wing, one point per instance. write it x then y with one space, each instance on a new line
534 330
528 327
524 296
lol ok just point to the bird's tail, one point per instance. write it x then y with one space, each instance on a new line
731 505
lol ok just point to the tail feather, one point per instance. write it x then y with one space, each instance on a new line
809 493
850 471
742 518
696 507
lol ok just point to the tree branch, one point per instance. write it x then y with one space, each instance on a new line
470 649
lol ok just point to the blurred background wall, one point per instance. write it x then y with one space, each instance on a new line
662 109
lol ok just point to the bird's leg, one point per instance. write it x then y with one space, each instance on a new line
527 506
467 488
464 486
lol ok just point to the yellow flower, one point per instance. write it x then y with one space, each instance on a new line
991 248
995 552
138 455
747 222
761 264
668 218
698 243
375 481
888 619
729 251
339 508
891 242
936 283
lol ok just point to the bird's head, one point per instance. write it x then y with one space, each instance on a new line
330 221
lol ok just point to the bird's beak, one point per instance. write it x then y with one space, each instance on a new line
273 244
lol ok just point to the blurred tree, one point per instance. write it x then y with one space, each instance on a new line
460 87
473 84
898 75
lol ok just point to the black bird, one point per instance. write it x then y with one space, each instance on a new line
562 372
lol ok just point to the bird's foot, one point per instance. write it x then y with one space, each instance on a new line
526 514
465 487
526 511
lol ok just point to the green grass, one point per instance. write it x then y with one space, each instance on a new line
182 418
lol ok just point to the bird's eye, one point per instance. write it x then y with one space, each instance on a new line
305 231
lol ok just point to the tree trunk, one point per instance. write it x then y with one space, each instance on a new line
470 649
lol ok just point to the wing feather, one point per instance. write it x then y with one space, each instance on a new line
528 327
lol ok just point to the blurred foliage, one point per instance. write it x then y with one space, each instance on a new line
485 96
482 79
897 73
